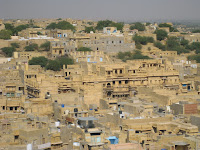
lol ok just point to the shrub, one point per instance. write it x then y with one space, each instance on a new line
84 49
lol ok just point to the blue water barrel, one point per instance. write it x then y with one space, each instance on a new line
62 105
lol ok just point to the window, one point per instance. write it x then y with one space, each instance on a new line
120 71
120 82
108 85
126 82
113 82
16 137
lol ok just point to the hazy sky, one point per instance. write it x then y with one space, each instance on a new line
123 10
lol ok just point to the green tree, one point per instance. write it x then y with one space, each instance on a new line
63 25
139 26
42 61
148 23
161 34
65 61
21 27
46 46
90 23
195 46
51 26
15 45
103 23
108 23
118 25
15 30
173 44
196 31
88 29
143 39
164 25
194 57
53 65
35 26
84 49
10 28
124 56
184 42
159 45
138 55
171 29
5 34
8 51
31 47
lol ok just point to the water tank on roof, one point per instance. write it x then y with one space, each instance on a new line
29 146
